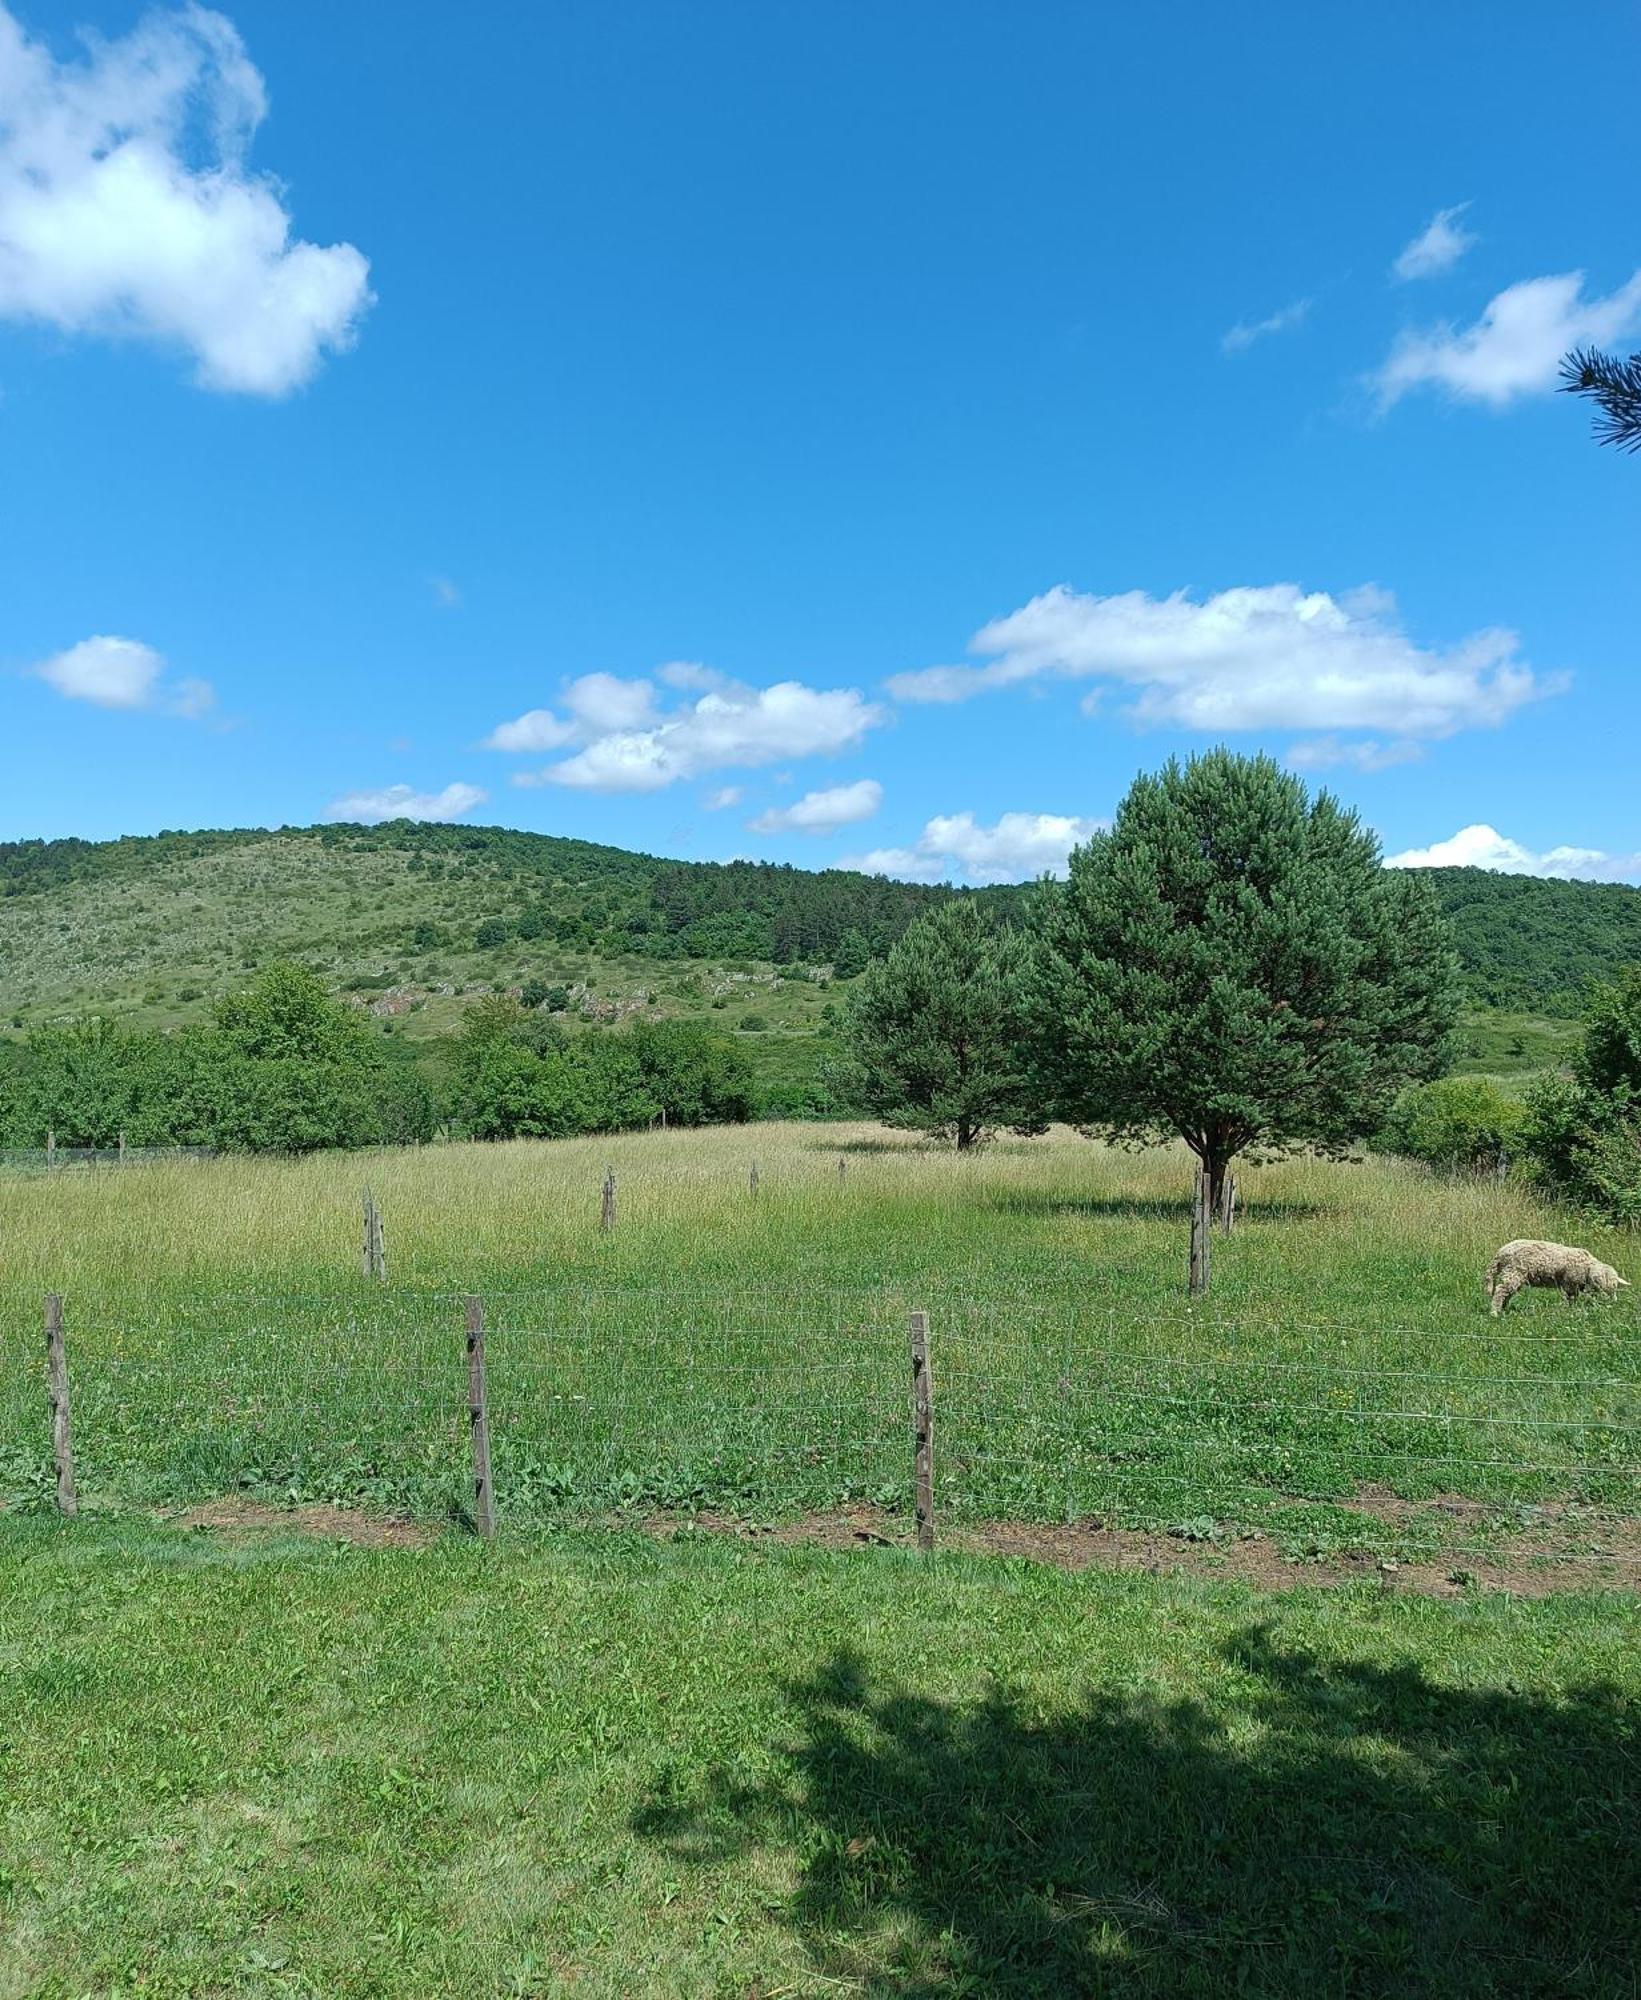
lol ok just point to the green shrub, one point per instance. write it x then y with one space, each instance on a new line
1458 1124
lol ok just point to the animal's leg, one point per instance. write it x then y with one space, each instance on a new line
1503 1292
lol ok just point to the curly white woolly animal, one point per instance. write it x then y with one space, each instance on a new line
1555 1266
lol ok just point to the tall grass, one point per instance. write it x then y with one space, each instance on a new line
721 1347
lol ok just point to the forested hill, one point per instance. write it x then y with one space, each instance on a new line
1536 945
154 927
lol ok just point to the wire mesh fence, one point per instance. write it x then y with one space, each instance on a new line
760 1400
56 1159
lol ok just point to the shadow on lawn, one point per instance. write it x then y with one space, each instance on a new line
1334 1828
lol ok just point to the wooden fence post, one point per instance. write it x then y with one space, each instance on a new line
1201 1236
373 1256
62 1445
607 1213
122 1145
478 1412
752 1179
917 1327
1227 1205
51 1148
843 1168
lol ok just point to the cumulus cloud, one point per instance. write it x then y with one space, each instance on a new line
1019 846
1266 657
1439 245
1246 332
823 812
128 207
401 802
123 673
1485 847
1515 348
535 729
629 743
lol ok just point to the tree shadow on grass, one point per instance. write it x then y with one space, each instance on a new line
1145 1208
1338 1828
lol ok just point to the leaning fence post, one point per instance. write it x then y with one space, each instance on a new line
917 1327
62 1447
478 1411
607 1213
1200 1234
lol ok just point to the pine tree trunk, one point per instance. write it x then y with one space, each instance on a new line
966 1135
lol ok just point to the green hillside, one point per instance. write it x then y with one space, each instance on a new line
414 920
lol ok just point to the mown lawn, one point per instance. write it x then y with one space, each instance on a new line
601 1765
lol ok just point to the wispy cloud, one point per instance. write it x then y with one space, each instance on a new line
402 802
1437 247
128 207
1324 753
1483 846
1246 332
124 673
446 595
823 812
1515 348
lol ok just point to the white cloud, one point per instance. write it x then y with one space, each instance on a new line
1323 753
400 802
127 206
631 746
536 729
602 703
123 673
1485 847
446 595
1439 245
1246 332
725 797
1019 846
823 812
1515 348
1267 657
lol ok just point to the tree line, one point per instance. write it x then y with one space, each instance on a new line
284 1066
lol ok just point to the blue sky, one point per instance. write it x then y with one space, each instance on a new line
815 431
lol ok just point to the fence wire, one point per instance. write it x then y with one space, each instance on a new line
758 1400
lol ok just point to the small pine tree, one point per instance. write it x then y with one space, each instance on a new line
1232 964
934 1031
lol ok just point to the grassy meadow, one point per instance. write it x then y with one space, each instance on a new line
725 1349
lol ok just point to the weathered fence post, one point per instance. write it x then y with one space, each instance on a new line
51 1148
62 1444
478 1412
752 1179
843 1168
373 1258
1201 1235
1227 1204
122 1145
607 1213
917 1327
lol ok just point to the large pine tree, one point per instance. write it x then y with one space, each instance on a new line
1232 964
